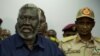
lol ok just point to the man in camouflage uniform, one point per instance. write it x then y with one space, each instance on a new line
83 43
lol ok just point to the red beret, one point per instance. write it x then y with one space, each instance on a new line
1 21
69 26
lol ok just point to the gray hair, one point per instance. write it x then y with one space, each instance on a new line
31 6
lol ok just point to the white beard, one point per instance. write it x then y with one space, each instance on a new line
28 36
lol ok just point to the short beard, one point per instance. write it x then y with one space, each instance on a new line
29 36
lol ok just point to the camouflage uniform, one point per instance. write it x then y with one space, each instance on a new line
75 46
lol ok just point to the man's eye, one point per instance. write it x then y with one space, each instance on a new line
31 18
22 17
80 22
89 22
41 21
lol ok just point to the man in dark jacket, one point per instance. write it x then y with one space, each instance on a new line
26 41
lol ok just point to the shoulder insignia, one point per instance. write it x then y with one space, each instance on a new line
68 38
97 39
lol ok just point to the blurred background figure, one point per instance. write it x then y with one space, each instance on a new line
52 36
0 28
43 29
5 33
69 30
43 25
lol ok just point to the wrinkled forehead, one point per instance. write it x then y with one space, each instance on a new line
29 10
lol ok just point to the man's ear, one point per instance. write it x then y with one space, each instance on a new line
93 24
75 22
76 25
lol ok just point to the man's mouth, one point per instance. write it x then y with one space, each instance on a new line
26 29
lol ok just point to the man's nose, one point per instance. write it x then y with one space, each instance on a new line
27 21
84 26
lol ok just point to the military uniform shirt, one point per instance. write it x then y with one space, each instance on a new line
74 46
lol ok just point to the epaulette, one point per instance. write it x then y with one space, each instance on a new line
97 39
67 38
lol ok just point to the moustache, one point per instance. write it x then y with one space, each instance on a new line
26 26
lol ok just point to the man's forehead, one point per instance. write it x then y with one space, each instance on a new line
85 19
29 11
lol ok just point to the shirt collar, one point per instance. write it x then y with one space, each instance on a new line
78 39
40 41
19 41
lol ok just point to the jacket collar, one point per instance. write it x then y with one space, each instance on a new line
20 43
